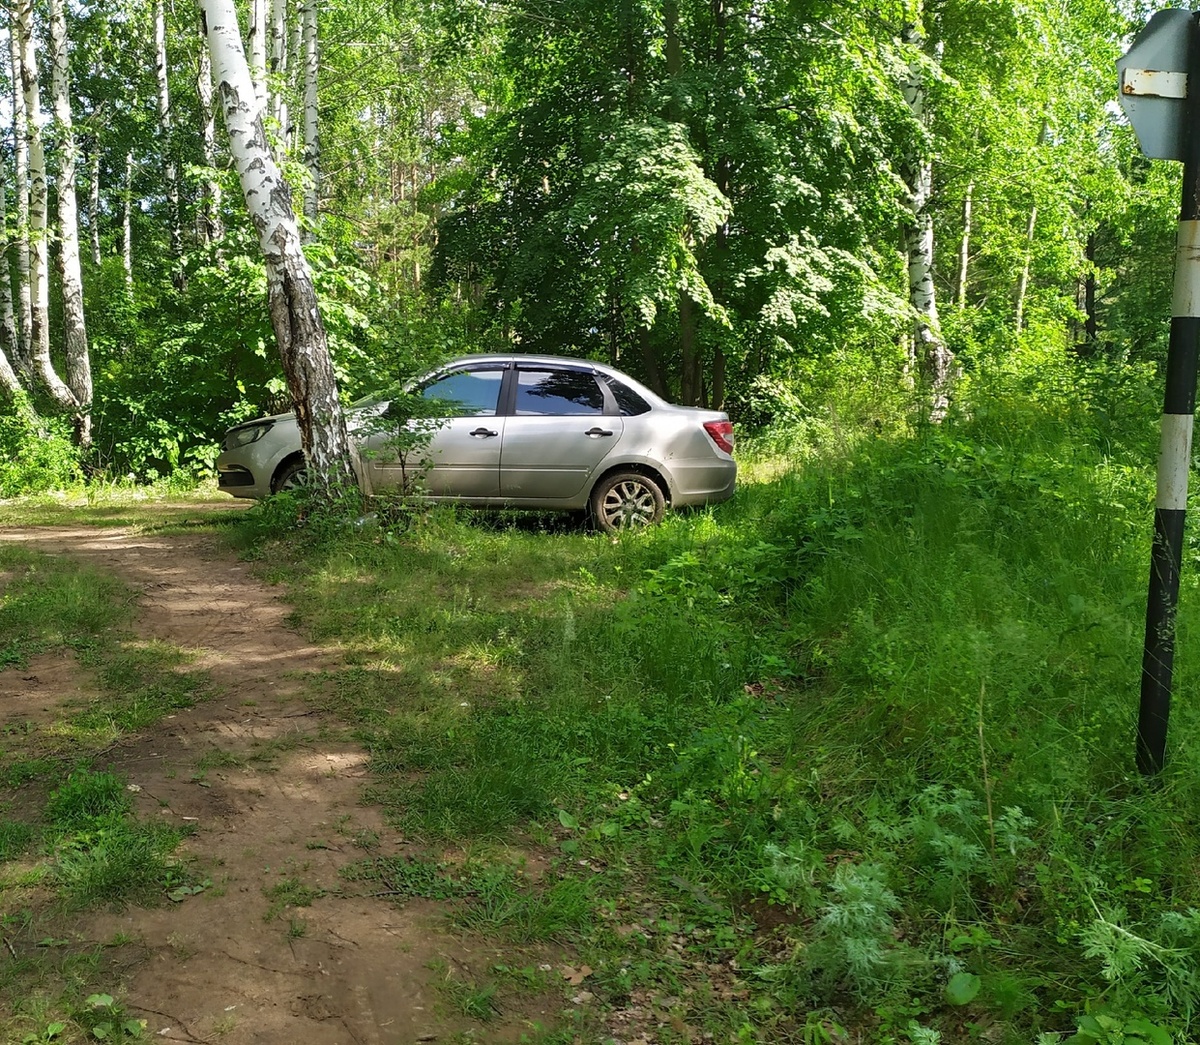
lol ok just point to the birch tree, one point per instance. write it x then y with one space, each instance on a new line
170 171
79 367
291 299
39 276
209 222
312 140
932 357
21 164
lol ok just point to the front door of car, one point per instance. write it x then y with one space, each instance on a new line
561 427
453 450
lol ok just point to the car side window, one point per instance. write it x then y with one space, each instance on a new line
628 401
558 392
466 393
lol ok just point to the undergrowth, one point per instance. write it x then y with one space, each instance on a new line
866 730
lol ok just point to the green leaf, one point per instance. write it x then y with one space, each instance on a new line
567 820
100 1001
962 988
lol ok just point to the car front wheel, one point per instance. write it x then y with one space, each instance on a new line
293 477
627 501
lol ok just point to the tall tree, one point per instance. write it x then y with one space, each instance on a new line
295 315
79 366
166 142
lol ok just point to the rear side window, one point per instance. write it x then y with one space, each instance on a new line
628 401
466 393
558 392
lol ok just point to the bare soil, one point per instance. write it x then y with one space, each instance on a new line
276 801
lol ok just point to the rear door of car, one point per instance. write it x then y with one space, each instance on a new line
464 433
562 424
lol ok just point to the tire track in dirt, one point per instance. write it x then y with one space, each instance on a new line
343 970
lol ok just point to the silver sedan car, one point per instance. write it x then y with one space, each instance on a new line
518 431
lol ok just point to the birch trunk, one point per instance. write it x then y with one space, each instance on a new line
211 229
39 283
8 323
312 139
79 367
258 50
964 249
291 298
1030 227
1023 279
935 360
127 222
21 165
278 66
94 205
166 141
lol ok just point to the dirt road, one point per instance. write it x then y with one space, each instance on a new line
273 791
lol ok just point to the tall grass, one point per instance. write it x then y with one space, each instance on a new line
891 686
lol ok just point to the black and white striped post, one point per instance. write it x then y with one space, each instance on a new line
1175 449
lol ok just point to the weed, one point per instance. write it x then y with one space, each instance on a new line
291 892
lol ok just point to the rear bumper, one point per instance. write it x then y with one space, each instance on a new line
702 482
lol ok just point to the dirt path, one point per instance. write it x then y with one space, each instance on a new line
223 966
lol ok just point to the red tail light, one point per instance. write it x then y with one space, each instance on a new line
722 434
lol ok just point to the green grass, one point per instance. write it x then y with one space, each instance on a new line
70 822
862 728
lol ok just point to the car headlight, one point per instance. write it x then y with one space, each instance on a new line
236 437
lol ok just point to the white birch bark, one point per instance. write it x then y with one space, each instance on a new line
127 222
932 356
39 282
211 229
1023 279
21 165
312 138
79 367
94 205
278 66
292 300
258 49
8 321
166 143
964 248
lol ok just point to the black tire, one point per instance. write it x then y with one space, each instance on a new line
292 477
627 501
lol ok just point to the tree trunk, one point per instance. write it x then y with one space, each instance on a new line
964 249
127 222
94 205
39 281
79 367
166 143
1023 279
278 67
650 362
211 228
934 359
21 163
312 140
8 324
1091 324
291 298
258 50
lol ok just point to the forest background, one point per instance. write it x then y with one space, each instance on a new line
915 253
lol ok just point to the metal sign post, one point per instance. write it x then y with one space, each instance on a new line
1160 92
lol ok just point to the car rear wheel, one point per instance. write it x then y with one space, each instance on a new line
293 477
627 501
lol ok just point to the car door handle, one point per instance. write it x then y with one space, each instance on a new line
484 433
596 433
